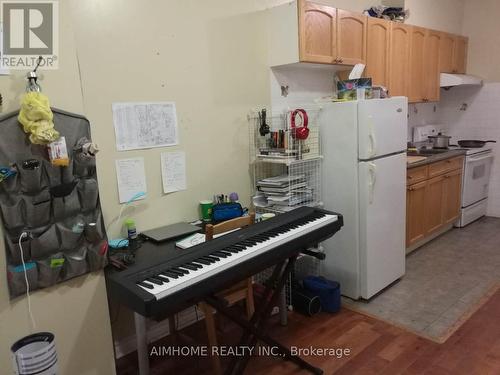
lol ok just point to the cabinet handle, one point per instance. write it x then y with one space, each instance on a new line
336 60
341 61
411 189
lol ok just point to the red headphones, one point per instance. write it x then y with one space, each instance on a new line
301 132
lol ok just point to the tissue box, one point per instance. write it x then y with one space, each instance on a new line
355 89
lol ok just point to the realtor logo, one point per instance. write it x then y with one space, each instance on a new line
30 30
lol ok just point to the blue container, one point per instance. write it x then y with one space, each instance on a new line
328 292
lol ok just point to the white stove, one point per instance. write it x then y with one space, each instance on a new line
476 175
473 150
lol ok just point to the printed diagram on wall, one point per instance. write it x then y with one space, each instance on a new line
145 125
173 171
131 179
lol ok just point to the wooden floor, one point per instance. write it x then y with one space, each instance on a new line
376 347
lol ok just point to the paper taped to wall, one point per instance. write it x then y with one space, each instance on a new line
145 125
131 178
173 171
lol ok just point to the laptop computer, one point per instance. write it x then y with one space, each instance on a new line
169 232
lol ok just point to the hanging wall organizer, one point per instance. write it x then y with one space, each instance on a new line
56 206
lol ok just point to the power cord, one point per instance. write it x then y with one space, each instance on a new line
33 323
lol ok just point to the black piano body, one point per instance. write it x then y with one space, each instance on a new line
122 286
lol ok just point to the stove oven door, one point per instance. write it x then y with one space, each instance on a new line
476 178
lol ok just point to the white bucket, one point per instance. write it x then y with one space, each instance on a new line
35 354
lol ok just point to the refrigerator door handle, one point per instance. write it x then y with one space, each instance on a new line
372 168
371 137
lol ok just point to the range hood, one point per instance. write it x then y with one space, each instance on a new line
450 80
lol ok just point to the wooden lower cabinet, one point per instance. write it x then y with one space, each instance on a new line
452 196
415 212
433 202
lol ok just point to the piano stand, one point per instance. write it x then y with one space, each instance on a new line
254 329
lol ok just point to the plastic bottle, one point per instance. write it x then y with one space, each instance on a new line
131 229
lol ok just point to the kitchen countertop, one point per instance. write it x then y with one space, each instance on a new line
429 159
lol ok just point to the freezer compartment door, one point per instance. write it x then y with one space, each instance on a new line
382 205
382 127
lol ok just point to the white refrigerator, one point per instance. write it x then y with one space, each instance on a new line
364 178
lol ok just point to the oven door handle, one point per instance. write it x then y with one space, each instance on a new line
479 158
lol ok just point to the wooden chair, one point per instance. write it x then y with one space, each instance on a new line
239 292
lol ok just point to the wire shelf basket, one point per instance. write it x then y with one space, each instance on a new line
286 174
286 170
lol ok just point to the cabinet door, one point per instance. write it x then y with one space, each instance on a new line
415 212
452 196
417 66
434 204
317 37
446 50
460 54
378 51
431 61
351 38
399 59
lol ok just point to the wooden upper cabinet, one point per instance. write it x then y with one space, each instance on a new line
317 35
453 53
446 49
378 51
399 59
351 37
431 68
460 54
417 67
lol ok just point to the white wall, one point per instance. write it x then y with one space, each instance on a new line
481 25
76 311
442 15
208 57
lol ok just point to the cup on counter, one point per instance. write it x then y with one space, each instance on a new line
206 210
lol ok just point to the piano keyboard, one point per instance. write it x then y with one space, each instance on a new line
175 278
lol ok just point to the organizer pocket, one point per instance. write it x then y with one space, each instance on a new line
67 175
97 255
94 228
10 184
53 173
67 206
75 263
15 251
88 193
84 168
13 212
49 270
70 235
17 281
38 209
31 175
44 243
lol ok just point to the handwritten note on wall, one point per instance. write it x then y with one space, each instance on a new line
173 171
131 178
145 125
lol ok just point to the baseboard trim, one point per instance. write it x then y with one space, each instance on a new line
415 246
